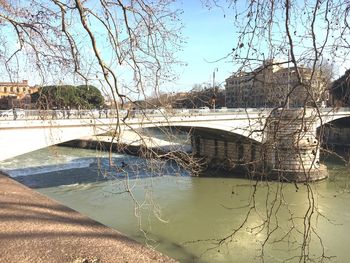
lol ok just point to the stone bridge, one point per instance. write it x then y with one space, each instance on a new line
284 141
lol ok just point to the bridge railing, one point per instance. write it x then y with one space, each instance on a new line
20 114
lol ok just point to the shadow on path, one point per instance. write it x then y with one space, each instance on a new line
34 228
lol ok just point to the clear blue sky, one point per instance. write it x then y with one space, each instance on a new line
210 36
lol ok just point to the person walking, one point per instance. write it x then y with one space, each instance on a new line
14 113
68 112
64 112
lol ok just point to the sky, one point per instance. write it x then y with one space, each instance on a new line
210 37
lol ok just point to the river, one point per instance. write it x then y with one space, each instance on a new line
183 216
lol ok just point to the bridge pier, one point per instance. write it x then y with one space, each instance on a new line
292 148
289 152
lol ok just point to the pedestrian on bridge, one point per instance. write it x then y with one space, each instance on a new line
64 112
14 113
100 112
68 112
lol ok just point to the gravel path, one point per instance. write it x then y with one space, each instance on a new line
35 229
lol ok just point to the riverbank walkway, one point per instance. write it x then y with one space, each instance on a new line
34 228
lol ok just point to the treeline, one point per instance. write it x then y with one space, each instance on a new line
60 96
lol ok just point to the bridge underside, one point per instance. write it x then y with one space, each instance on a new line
335 135
20 138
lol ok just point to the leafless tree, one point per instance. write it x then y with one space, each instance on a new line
128 47
295 35
125 47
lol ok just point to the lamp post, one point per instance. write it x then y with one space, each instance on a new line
288 85
215 70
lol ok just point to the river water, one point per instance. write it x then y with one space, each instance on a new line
185 217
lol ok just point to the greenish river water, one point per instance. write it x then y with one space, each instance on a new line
185 217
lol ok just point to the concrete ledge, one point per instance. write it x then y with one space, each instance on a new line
300 176
34 228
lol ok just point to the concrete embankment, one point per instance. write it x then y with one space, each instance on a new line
34 228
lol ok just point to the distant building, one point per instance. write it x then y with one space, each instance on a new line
269 86
15 94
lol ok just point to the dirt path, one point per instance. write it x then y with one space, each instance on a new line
35 229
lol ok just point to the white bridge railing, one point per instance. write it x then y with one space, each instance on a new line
15 114
21 114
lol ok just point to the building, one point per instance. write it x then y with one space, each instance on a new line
272 85
15 94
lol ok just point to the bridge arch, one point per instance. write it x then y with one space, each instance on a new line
335 133
219 129
41 132
221 148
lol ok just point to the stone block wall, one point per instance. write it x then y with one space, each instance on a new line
226 153
292 146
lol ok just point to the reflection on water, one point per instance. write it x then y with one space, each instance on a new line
195 212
